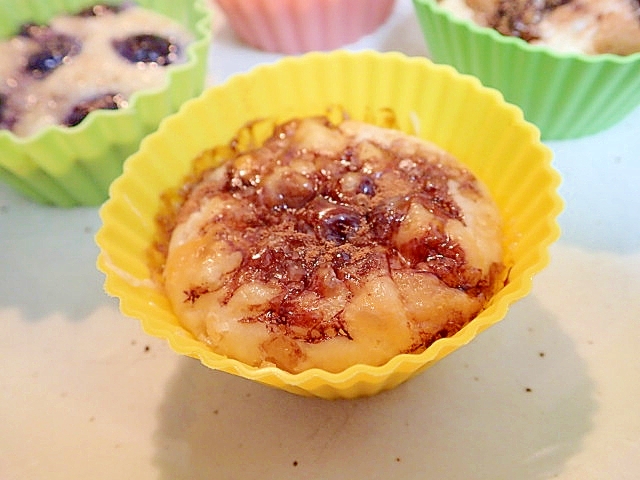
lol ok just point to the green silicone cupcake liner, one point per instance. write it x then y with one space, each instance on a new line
74 166
567 95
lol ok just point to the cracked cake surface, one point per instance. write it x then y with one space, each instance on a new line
331 244
586 26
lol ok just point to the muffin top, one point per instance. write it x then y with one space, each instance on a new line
585 26
331 245
56 73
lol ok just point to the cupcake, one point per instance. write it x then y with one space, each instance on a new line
297 26
332 242
572 66
84 82
447 114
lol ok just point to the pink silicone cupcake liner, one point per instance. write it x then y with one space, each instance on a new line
297 26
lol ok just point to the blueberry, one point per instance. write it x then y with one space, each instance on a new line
338 224
7 114
98 10
55 48
367 186
3 111
147 48
108 101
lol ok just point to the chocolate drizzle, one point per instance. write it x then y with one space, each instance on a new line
317 224
519 18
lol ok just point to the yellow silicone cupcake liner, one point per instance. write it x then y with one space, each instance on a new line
74 166
434 102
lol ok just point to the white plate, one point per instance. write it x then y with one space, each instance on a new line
550 392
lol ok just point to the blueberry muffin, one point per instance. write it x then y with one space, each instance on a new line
58 72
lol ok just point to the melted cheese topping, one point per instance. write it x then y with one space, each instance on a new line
332 245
